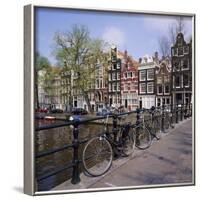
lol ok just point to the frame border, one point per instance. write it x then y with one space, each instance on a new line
29 50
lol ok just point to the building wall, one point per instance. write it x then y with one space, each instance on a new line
181 71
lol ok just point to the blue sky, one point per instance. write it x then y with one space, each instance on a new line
136 33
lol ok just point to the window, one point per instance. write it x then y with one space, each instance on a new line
114 76
110 88
175 53
177 81
184 64
142 88
133 86
118 87
186 49
110 77
180 51
159 80
158 102
118 76
150 74
168 101
114 66
160 89
143 75
163 101
101 83
166 79
125 87
186 80
129 75
118 65
166 89
176 65
150 87
125 75
97 84
114 86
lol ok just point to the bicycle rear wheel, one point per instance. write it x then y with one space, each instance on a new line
143 137
157 127
166 123
129 141
97 156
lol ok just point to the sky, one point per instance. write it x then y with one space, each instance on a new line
136 33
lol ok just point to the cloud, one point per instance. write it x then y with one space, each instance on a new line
161 23
114 35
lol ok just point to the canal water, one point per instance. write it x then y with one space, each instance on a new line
55 138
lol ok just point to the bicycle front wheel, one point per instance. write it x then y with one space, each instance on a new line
143 137
97 156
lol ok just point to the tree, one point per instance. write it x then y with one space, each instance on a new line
41 63
164 46
165 42
80 56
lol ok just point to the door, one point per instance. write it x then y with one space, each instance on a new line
140 104
126 103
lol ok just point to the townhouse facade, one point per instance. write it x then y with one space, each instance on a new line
114 79
146 81
129 81
181 82
163 83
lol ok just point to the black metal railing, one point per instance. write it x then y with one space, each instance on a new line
178 113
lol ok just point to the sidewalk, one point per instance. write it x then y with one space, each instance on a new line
167 161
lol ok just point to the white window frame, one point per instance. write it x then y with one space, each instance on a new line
148 87
158 90
143 71
165 87
176 51
114 76
125 87
150 70
118 75
184 50
113 86
182 63
141 87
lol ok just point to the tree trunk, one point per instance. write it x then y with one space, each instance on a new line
85 94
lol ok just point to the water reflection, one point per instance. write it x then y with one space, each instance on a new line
55 138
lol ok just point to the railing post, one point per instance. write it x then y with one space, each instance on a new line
115 127
176 113
181 112
138 116
171 115
190 109
75 174
137 121
163 119
115 130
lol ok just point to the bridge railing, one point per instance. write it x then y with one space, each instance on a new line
178 113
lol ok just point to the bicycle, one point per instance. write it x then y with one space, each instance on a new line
99 151
154 123
142 132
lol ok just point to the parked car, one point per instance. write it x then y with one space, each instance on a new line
79 111
104 112
56 110
41 110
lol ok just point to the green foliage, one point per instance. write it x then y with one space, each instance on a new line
80 54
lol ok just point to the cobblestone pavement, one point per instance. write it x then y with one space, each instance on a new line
167 161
